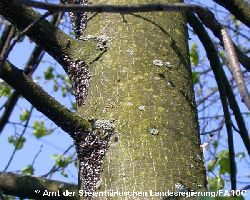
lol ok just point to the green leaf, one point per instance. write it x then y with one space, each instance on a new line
194 55
48 74
216 183
223 57
215 144
6 197
76 162
55 87
67 80
24 115
17 141
64 174
195 77
62 161
64 91
29 170
39 130
74 107
5 89
224 162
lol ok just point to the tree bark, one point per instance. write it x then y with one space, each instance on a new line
143 82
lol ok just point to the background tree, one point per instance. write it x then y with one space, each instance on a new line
140 100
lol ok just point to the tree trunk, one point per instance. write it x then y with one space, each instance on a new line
143 82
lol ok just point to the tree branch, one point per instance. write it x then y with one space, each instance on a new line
9 106
18 37
29 68
214 60
153 7
53 40
205 15
239 8
42 101
7 35
221 79
235 67
25 186
47 36
210 22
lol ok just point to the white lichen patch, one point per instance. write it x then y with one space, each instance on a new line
130 52
130 103
154 131
180 187
102 41
105 125
142 108
157 78
160 63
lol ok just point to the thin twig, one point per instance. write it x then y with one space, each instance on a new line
7 35
36 156
214 130
247 187
19 140
56 167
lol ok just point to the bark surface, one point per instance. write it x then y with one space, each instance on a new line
143 82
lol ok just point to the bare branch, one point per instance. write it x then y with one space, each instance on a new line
204 14
42 101
25 186
29 68
7 35
9 106
214 60
210 22
235 67
154 7
215 63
